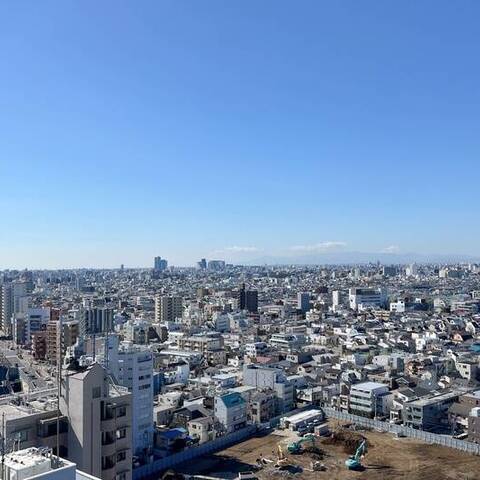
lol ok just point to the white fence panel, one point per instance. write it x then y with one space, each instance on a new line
406 431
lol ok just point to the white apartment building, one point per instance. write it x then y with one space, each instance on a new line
274 378
231 411
14 301
336 298
398 306
366 398
361 298
135 372
256 349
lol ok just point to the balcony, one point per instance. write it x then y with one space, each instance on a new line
108 411
109 449
109 473
108 464
108 425
123 443
108 438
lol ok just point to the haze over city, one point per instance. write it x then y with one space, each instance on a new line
257 132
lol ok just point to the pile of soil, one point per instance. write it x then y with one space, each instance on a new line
350 440
314 452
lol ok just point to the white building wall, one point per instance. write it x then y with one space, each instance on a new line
135 371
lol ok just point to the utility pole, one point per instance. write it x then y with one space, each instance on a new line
3 445
59 384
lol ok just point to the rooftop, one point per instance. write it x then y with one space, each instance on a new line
369 386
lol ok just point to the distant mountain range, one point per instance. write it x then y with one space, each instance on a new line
350 258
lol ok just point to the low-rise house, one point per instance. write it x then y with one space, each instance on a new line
231 411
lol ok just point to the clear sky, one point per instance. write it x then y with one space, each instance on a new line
236 129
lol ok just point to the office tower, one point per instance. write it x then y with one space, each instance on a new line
389 271
202 264
168 308
411 270
160 264
248 299
14 301
216 265
303 301
27 278
99 414
135 372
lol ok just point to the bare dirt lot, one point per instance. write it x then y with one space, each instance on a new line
387 458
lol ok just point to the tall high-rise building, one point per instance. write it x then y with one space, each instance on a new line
248 299
168 308
216 265
202 264
303 301
336 298
389 270
14 301
160 264
411 270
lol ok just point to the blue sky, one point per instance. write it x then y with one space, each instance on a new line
236 129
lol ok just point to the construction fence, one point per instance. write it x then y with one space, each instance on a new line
401 430
160 465
157 466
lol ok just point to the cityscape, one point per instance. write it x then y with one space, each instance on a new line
128 373
239 240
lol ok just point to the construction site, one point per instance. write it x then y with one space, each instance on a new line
344 452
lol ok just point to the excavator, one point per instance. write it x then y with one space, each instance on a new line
296 447
281 459
354 462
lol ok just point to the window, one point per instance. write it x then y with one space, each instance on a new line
122 433
121 456
21 435
121 411
96 392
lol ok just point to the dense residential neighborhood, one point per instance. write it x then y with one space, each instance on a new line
159 361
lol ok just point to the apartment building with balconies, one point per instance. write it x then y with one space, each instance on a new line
100 419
